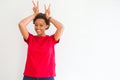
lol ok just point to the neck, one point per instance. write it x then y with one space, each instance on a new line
41 35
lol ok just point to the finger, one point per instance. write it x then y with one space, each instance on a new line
49 7
37 3
33 3
45 8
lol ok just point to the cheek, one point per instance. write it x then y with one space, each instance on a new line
44 27
35 28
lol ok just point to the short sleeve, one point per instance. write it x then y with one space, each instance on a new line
29 38
53 39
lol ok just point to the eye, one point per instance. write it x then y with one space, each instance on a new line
36 25
41 25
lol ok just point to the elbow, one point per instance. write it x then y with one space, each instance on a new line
20 24
62 27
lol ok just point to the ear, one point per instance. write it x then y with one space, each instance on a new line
47 27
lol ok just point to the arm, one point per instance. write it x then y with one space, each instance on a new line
59 28
23 23
57 24
22 26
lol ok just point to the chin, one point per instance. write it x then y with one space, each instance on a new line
38 34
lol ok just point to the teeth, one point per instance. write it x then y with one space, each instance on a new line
38 30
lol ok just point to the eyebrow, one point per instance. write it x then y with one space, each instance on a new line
39 23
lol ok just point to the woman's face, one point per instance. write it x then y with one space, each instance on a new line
40 27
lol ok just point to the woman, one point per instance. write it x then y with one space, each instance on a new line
40 63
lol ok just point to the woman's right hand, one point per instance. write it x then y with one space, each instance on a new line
36 7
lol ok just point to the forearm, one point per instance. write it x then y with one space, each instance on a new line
27 20
56 23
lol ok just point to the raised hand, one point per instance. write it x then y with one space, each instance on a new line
47 11
36 7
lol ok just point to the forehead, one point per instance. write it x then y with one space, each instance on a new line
40 21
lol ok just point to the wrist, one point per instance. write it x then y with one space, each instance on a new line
34 14
49 18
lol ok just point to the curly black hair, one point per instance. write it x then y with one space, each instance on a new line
41 16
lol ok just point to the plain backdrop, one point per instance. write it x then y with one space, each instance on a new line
89 48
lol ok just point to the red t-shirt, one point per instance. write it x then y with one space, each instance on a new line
40 56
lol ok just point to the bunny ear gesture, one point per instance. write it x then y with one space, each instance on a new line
36 7
35 4
47 11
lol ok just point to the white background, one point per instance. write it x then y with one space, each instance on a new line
89 48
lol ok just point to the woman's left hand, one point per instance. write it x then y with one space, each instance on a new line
47 11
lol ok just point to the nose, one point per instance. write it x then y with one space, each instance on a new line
37 27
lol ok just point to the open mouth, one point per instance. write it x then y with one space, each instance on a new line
38 30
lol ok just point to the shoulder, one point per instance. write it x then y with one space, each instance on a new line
52 37
30 36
